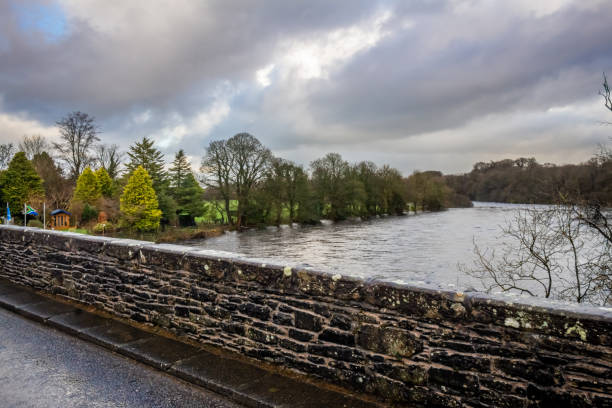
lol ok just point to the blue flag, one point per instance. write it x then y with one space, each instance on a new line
8 212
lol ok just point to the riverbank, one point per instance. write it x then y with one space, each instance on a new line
168 235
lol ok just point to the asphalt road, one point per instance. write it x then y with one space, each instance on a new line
42 367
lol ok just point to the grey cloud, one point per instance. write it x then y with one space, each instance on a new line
439 74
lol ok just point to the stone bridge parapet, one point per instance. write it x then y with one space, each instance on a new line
403 344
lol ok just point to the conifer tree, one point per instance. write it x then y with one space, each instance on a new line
20 183
180 169
145 154
107 186
87 189
139 206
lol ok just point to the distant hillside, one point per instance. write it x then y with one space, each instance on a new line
524 180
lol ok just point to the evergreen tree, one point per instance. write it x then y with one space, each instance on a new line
107 185
184 188
20 183
180 170
139 205
145 154
87 189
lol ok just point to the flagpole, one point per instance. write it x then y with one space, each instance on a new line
44 215
25 215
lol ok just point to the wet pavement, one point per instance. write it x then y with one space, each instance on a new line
42 367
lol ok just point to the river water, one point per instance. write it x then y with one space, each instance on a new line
423 249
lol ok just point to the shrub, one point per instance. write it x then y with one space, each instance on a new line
89 213
103 227
35 224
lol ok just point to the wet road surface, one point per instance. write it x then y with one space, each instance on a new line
42 367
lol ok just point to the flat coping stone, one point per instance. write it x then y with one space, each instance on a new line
77 321
114 335
13 301
158 351
45 310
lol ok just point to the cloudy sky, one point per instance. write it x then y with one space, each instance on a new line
419 84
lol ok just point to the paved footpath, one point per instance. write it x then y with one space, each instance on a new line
42 367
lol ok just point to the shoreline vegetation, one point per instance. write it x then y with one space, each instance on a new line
241 185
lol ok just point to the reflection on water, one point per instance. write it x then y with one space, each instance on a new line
423 249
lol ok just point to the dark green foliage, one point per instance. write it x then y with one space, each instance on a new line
89 213
185 190
20 183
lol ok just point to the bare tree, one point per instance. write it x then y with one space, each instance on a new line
6 154
250 159
109 157
33 145
605 93
216 169
79 134
548 252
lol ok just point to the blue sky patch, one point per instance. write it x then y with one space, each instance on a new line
46 18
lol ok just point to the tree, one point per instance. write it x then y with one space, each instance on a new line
180 170
33 145
548 252
109 158
58 190
328 177
250 159
139 206
20 183
78 134
605 93
145 154
6 153
87 188
184 189
106 183
216 169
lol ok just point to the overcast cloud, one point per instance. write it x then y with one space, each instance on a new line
418 85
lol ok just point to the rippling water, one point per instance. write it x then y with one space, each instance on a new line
423 249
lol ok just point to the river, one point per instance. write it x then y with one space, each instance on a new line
423 249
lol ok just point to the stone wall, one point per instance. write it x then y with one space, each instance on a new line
409 345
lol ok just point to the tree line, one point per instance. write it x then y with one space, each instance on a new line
524 180
240 183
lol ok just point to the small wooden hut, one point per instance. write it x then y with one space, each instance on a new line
60 219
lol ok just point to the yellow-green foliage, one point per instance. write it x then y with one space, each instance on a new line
87 188
139 206
105 182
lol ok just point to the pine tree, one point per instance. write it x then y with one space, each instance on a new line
20 183
145 154
139 206
87 189
107 185
180 169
